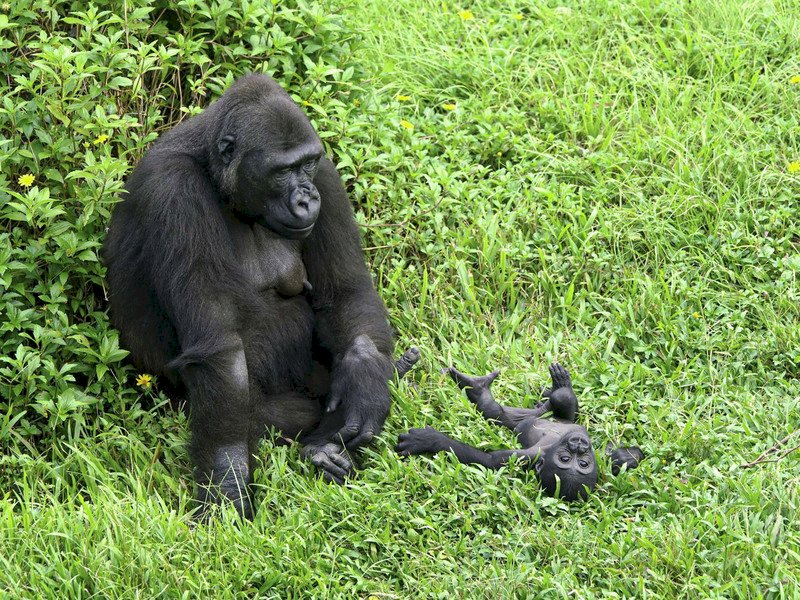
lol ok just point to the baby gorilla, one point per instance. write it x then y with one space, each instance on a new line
559 449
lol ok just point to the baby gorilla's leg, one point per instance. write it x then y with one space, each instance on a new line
562 399
478 392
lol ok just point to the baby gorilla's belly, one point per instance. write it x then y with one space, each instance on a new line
535 431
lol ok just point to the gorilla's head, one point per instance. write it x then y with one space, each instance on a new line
265 156
569 467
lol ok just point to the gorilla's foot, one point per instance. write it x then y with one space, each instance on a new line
333 461
407 361
560 376
466 382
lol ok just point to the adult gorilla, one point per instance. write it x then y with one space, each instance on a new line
235 272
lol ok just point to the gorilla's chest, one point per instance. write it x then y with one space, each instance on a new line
270 262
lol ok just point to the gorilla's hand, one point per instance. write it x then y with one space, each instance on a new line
333 460
360 388
421 441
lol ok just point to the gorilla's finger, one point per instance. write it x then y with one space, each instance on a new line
362 439
348 432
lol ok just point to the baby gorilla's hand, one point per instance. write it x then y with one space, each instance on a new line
420 441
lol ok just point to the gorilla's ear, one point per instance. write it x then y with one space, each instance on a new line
225 147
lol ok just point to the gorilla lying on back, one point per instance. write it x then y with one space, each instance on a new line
559 450
236 272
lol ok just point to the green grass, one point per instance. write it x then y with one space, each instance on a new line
612 190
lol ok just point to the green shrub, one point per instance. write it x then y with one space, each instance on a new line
86 89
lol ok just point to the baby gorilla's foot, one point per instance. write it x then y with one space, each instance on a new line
331 459
563 401
560 376
466 381
406 362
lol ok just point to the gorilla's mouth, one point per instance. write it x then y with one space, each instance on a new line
287 231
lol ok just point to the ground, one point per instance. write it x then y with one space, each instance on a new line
609 183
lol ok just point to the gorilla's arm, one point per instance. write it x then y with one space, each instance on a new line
351 320
185 247
431 441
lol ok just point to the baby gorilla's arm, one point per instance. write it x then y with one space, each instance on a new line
431 441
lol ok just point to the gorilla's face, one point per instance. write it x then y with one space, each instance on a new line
280 192
269 168
572 462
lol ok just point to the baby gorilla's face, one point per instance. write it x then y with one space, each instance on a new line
572 463
574 453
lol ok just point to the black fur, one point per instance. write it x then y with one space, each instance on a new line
217 285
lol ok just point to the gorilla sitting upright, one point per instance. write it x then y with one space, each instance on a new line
236 272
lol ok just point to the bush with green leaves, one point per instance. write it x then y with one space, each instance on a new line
87 87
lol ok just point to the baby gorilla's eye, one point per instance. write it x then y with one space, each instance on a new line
583 463
564 458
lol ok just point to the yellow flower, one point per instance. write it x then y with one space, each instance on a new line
466 15
402 98
26 180
696 315
795 79
406 125
144 381
518 17
794 167
448 106
100 139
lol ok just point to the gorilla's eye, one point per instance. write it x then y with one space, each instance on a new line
564 458
284 172
583 463
310 165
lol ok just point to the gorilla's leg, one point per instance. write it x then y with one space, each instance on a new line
478 392
562 398
291 413
221 447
